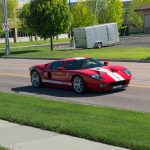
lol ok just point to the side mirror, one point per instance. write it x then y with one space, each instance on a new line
106 63
60 68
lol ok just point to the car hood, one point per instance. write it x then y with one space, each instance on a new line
103 70
111 73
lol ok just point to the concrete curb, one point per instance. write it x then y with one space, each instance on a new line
126 60
46 58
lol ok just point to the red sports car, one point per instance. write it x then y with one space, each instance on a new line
80 74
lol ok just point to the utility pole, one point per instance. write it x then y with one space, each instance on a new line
71 25
69 3
5 26
96 5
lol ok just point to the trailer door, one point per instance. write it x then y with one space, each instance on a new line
80 38
112 31
90 37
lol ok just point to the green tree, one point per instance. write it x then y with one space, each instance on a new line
1 18
12 6
92 5
49 18
109 11
135 19
82 15
25 23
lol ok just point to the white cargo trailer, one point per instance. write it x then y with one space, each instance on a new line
96 36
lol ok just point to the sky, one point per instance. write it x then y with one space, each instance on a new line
23 1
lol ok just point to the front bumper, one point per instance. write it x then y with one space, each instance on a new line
115 85
108 86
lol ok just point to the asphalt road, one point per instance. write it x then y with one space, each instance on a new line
14 77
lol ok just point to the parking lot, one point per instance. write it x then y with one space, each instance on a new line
134 41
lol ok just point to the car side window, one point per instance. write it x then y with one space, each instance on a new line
73 65
57 64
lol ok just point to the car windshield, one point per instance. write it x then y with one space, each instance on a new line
83 64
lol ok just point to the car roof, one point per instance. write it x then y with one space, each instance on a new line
75 58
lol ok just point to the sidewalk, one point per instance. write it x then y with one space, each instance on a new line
19 137
26 39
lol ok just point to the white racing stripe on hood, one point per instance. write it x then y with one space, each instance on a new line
113 75
118 76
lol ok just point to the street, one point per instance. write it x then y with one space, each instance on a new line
14 77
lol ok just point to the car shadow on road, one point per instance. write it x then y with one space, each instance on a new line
60 93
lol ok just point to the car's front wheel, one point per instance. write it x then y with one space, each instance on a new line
78 84
36 79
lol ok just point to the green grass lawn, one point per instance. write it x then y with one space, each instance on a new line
39 42
112 126
2 148
104 53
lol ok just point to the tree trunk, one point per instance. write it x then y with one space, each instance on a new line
36 37
69 35
51 40
31 37
15 35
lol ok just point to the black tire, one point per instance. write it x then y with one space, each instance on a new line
36 79
78 85
99 45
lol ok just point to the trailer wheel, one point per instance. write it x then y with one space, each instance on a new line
99 45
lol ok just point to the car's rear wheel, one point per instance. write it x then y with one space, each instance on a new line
78 84
36 79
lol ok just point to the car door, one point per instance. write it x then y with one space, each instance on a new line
56 73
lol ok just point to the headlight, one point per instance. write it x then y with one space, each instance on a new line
96 76
126 71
